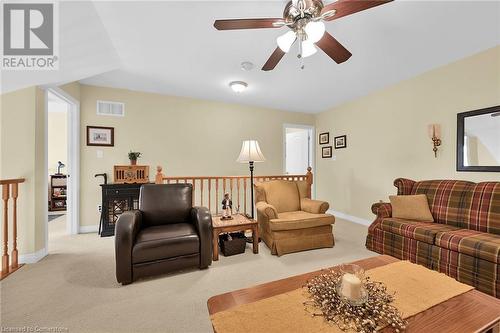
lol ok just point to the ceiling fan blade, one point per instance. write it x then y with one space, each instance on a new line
273 59
333 48
348 7
257 23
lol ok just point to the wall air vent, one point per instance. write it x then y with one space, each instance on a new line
106 108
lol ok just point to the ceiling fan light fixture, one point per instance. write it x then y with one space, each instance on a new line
285 41
308 48
315 31
238 86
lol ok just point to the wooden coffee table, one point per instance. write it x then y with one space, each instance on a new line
239 223
472 311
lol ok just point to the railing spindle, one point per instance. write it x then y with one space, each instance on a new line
238 189
15 192
194 192
245 194
216 196
201 190
209 194
231 190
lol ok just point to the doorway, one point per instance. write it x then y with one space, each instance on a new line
57 163
298 149
62 146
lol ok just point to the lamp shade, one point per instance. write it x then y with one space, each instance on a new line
315 31
250 152
308 48
286 41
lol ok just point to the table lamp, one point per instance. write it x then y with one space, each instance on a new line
60 165
250 152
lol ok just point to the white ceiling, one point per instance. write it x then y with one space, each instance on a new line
171 47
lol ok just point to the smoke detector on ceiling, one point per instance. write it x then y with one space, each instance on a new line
246 66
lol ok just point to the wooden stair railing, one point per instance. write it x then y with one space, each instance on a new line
10 189
208 188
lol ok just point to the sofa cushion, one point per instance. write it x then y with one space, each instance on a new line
411 207
282 194
462 204
421 231
300 220
474 243
165 241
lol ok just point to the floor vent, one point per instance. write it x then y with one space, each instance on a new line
105 108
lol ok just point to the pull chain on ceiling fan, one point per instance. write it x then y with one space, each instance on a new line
306 19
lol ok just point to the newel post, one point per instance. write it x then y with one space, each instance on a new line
5 256
309 179
159 175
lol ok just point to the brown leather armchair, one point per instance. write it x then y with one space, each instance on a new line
166 234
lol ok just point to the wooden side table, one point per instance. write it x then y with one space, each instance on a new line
239 223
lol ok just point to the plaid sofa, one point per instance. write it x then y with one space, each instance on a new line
462 242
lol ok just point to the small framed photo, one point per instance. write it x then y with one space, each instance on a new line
100 136
324 138
326 152
340 142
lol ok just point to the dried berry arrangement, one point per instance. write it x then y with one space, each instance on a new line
376 312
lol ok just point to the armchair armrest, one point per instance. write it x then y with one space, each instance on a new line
202 219
126 229
382 209
266 210
314 206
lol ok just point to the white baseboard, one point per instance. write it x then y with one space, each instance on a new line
351 218
31 258
87 229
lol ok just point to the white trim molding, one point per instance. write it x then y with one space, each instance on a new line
73 210
31 258
88 229
348 217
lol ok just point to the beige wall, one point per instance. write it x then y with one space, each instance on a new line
57 136
185 136
22 143
387 133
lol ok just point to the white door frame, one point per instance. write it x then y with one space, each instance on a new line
311 147
73 199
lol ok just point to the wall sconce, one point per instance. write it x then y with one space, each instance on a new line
435 136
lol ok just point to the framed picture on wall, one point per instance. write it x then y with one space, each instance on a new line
324 138
340 142
100 136
326 152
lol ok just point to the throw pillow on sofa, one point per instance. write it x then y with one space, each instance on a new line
411 207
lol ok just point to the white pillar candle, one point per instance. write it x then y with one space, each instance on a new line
351 286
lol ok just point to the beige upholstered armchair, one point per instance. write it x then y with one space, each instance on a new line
289 221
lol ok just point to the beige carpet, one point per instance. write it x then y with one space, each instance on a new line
75 286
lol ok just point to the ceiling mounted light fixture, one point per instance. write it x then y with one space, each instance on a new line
306 21
238 86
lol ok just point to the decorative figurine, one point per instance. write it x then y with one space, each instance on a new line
227 206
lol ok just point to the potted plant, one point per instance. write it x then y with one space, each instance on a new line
133 156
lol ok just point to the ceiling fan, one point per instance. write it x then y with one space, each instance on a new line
305 19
